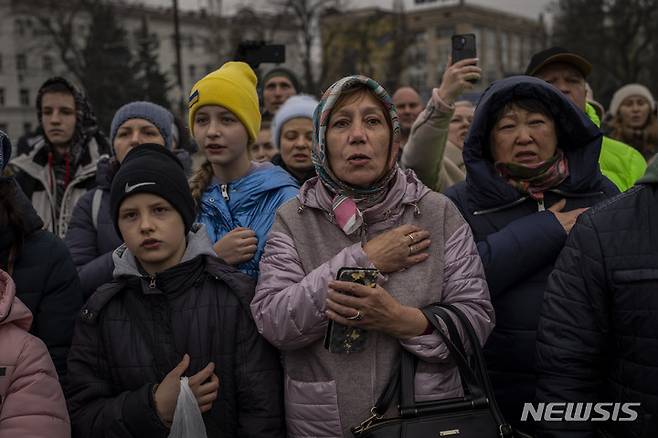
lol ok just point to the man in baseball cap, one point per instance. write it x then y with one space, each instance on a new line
567 71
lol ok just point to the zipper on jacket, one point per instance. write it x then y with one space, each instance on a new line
540 205
224 189
501 208
152 284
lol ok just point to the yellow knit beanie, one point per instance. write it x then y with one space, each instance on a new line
233 87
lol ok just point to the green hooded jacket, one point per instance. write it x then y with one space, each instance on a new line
620 163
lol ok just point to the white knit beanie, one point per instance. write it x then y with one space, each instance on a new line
628 91
300 105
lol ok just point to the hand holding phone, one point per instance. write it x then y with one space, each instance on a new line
464 47
338 337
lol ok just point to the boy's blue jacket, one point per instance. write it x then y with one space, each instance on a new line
252 203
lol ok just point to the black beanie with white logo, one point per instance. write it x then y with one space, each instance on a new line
150 168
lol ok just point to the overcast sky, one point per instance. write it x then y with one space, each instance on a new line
530 8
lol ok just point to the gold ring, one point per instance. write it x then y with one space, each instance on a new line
411 237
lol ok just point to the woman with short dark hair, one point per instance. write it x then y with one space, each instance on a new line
531 169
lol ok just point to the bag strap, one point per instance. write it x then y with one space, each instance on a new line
392 389
460 354
96 207
401 380
504 427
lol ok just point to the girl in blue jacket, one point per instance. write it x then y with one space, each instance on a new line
236 198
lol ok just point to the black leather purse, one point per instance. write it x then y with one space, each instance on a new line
476 415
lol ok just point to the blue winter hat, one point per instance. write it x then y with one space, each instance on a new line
5 150
159 116
296 106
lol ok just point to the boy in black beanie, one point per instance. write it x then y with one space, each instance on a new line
173 310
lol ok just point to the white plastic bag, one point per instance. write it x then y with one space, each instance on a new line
187 416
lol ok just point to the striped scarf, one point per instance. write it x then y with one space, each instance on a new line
349 201
535 179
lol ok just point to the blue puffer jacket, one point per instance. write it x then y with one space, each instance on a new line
250 202
517 239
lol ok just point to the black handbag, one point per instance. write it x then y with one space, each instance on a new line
476 415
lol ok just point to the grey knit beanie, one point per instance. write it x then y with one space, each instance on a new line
159 116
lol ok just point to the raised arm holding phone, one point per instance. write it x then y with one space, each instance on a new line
433 150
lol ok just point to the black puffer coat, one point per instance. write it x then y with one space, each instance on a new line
46 279
517 239
598 334
130 335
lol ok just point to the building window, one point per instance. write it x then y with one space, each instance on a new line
47 64
192 70
489 46
420 38
478 40
19 26
21 62
504 51
190 42
2 97
27 127
443 51
444 32
418 81
24 97
515 52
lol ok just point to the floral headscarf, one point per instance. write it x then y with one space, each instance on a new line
346 196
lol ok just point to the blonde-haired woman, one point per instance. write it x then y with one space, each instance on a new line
236 198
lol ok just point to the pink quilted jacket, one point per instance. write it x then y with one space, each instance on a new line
31 399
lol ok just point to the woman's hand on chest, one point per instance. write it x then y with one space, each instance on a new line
398 248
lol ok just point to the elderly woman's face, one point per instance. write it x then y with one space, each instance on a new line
522 137
634 112
358 139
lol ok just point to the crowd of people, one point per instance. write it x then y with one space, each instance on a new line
130 261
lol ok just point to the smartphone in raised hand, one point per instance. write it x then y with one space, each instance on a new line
463 47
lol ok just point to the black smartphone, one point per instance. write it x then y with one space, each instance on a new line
463 47
343 339
255 53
